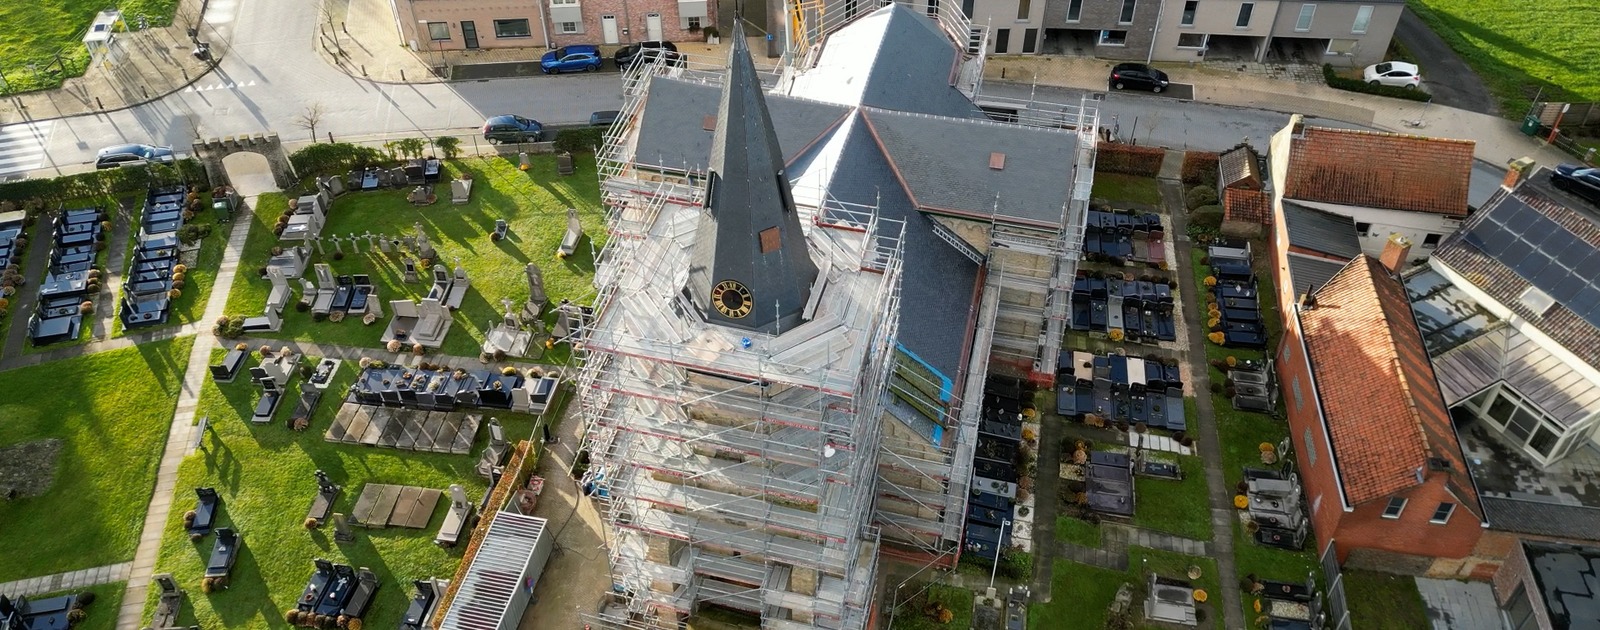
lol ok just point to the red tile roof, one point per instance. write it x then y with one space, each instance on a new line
1384 411
1380 170
1254 206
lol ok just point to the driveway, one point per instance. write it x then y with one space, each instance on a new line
1444 74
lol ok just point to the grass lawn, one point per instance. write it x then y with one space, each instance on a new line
1077 531
1176 507
265 476
1117 187
111 411
1080 595
920 612
1384 602
36 30
102 613
198 280
534 203
1516 47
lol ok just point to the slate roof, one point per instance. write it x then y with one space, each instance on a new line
1380 170
1321 231
1378 394
747 194
1577 522
891 59
944 164
1308 273
672 134
1239 167
1501 283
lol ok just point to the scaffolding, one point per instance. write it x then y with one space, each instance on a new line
732 467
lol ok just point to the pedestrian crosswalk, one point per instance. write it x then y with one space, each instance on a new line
220 85
22 146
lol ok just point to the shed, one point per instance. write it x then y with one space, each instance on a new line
499 583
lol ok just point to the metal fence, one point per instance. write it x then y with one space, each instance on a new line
1338 603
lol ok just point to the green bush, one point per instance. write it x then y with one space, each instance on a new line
334 158
1200 196
112 181
1016 564
1357 85
1209 217
579 139
191 232
1129 159
1200 167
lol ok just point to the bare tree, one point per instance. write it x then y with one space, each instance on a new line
309 118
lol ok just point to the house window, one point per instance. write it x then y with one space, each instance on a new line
512 28
1364 229
1442 515
692 24
1002 38
1244 15
563 3
1432 240
1189 8
1030 39
1023 8
1113 38
1311 447
1363 20
569 27
1395 507
1306 13
1299 399
1127 11
438 31
1074 10
1192 40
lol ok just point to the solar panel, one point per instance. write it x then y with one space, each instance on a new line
1544 253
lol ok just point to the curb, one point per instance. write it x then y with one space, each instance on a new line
216 61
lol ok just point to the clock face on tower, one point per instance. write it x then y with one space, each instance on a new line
732 299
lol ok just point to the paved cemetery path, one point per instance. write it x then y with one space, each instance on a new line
1222 511
70 580
105 303
27 295
180 436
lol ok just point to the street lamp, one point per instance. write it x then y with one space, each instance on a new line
999 546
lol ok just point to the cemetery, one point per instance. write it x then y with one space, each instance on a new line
368 267
70 284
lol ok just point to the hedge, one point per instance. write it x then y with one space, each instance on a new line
334 158
1357 85
1129 159
111 181
579 139
1200 168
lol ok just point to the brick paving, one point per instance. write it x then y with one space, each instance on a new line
67 581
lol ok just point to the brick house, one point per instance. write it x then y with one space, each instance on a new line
1383 471
1387 183
440 25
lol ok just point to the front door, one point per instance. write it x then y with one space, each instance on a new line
608 27
469 32
652 26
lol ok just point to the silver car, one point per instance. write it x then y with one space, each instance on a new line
125 154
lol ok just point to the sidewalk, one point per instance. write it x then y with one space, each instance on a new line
1499 140
158 63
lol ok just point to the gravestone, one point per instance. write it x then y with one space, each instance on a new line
386 245
408 243
318 241
338 245
410 271
371 245
341 529
536 295
424 248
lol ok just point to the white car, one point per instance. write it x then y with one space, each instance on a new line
1394 73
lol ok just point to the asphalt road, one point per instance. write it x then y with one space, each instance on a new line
1444 74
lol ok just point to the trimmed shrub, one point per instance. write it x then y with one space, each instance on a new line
1129 159
1200 167
579 139
84 599
334 158
1201 195
1356 85
1208 217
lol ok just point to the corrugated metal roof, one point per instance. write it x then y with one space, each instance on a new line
1321 231
1540 376
496 573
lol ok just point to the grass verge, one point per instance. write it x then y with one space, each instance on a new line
1080 595
1381 601
1516 49
1117 187
1176 507
111 411
922 612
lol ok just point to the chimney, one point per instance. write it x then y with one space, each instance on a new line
1395 253
1520 170
1297 124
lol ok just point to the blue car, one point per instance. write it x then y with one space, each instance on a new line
571 59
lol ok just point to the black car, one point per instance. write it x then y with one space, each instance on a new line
629 54
509 128
1583 181
1138 76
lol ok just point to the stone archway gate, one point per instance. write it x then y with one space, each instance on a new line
211 151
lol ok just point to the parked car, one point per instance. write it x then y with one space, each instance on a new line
124 154
509 128
1393 73
580 58
1138 76
603 118
1583 181
629 54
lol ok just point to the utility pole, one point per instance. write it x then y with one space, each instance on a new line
999 546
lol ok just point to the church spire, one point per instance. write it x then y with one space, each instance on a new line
750 268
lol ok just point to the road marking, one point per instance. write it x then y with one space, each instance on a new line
219 86
22 146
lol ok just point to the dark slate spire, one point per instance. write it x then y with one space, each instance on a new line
750 267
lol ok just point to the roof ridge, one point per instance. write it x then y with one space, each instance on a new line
1394 134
